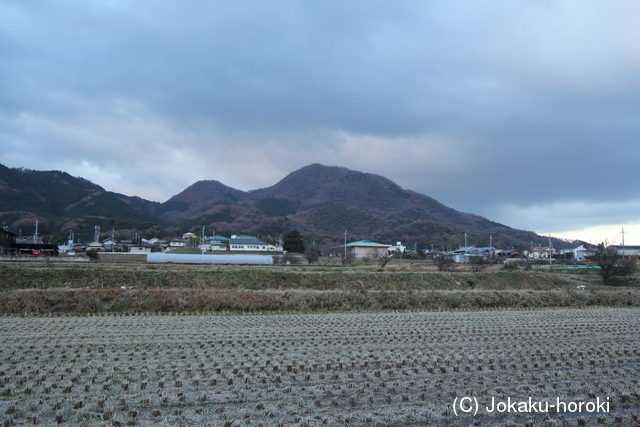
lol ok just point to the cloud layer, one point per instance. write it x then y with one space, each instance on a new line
527 114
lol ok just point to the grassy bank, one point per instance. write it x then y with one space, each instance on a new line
100 276
99 288
83 301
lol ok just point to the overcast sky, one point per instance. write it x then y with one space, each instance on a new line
527 113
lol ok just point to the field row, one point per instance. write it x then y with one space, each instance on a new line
394 368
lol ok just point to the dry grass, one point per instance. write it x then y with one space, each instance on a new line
96 288
400 277
97 301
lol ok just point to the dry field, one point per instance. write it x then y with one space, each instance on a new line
337 369
96 288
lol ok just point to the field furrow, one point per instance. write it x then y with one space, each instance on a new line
357 369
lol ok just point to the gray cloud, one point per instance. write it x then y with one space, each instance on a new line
519 112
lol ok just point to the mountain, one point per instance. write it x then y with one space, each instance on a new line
198 199
60 202
324 201
320 201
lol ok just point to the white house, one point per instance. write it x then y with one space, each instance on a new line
248 243
628 250
213 246
177 243
578 250
399 247
215 243
142 248
110 244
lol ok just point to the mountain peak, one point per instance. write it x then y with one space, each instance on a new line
318 200
198 198
210 190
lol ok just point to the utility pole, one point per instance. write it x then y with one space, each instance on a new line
345 244
623 244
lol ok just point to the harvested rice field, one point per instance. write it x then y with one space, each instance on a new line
461 368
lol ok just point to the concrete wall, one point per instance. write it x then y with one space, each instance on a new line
122 257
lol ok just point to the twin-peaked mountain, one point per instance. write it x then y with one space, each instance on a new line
318 200
325 201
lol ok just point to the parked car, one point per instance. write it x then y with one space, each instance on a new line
71 253
36 252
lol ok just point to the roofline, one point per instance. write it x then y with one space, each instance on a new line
368 243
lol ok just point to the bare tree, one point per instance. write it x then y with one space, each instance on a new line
288 258
443 263
346 257
382 257
312 253
478 263
611 263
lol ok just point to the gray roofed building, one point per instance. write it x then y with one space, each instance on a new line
248 243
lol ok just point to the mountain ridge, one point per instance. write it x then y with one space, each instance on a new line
320 201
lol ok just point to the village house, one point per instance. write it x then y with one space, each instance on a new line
7 242
509 255
110 244
461 255
578 251
541 252
365 249
628 250
248 243
399 249
177 243
95 246
142 248
215 243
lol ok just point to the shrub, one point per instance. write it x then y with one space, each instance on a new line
93 255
